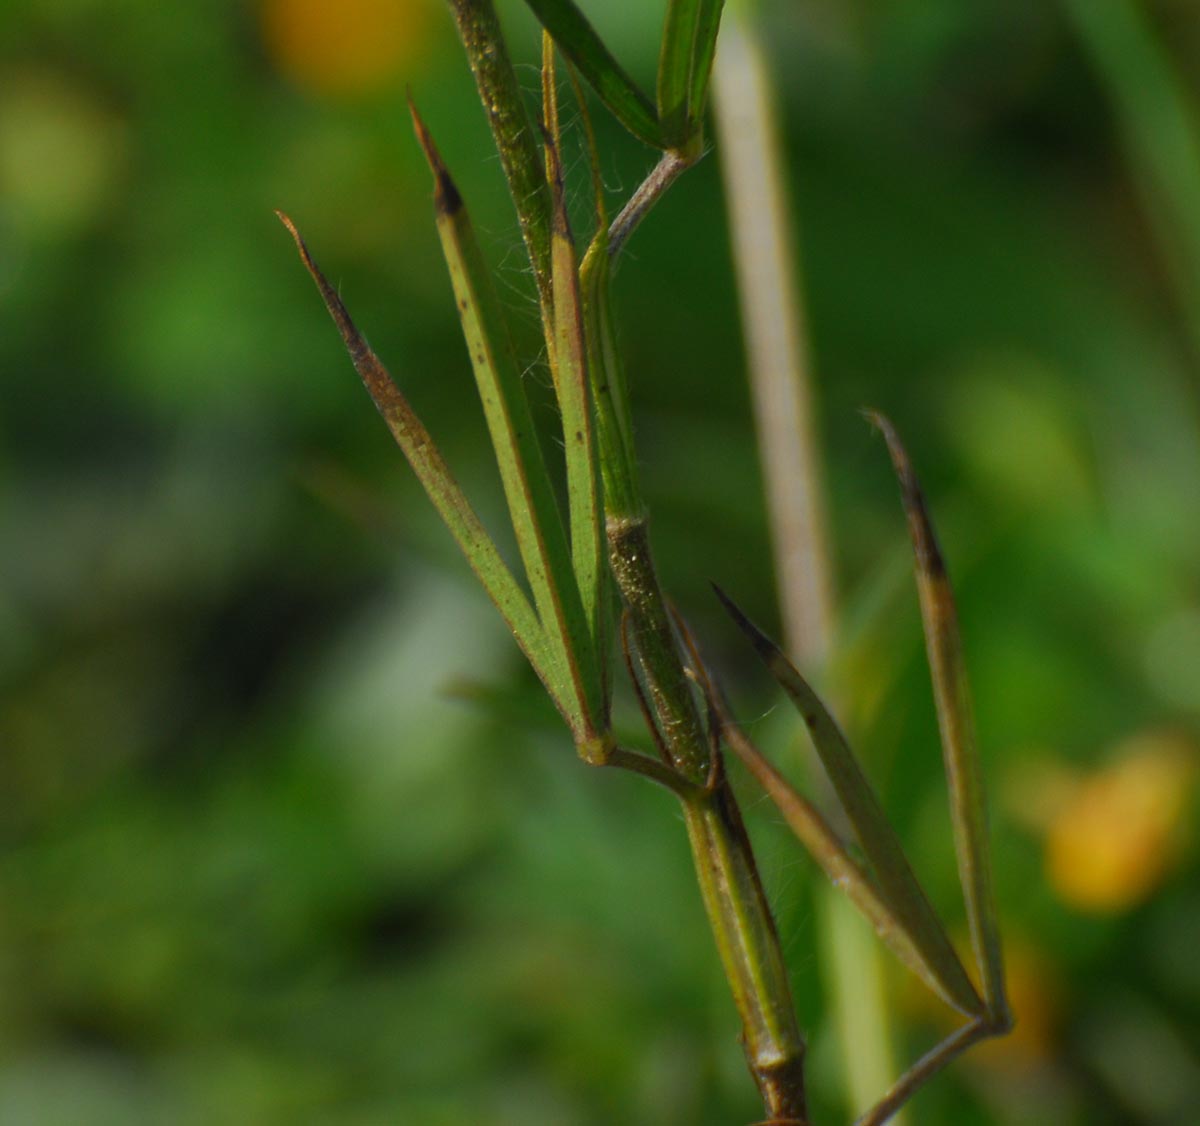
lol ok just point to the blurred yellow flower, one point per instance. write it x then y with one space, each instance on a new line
346 47
1116 835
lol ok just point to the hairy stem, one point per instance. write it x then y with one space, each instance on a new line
669 168
516 139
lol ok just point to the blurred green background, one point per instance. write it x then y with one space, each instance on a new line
288 833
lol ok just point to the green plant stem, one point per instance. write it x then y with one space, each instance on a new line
737 908
667 685
730 887
516 139
749 948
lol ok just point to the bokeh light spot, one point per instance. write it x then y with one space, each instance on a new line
1115 839
1173 658
61 153
352 47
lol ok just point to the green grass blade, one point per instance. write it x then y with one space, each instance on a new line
685 61
825 847
435 477
584 497
610 399
708 24
536 520
952 697
578 41
675 67
614 428
897 884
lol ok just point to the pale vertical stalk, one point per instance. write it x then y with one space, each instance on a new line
856 969
773 324
780 371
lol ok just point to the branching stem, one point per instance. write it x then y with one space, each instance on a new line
669 168
929 1065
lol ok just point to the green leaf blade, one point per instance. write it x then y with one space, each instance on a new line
964 774
830 853
897 883
675 67
689 43
578 41
584 491
614 425
708 24
536 519
436 479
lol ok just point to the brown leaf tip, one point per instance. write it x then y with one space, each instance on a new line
763 645
355 344
300 244
446 197
925 545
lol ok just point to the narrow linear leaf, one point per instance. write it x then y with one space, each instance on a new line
708 24
675 67
593 149
685 62
610 395
614 426
584 498
435 477
536 520
897 884
827 849
578 41
964 774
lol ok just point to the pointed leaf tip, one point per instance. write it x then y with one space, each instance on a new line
446 197
899 454
925 544
285 219
356 345
899 888
767 650
964 772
